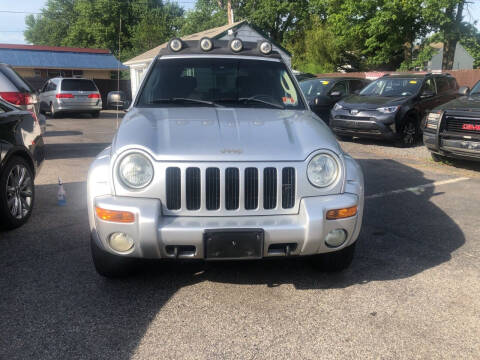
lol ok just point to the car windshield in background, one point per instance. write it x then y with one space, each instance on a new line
315 87
476 89
392 87
220 82
78 85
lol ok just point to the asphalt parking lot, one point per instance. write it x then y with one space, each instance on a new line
412 292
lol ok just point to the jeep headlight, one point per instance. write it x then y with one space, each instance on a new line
135 171
322 170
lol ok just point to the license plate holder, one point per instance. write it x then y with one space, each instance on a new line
233 244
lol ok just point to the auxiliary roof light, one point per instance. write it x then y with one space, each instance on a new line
236 45
265 47
206 44
175 44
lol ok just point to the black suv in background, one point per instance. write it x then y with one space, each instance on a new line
323 93
453 129
392 107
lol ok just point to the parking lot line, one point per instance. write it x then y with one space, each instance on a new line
416 189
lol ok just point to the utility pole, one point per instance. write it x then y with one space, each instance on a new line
229 12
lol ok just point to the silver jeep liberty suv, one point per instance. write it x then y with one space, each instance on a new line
219 157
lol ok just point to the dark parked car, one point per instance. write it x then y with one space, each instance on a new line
323 93
453 129
392 107
15 90
21 155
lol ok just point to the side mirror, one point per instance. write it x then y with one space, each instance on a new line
335 94
118 100
427 94
464 90
357 92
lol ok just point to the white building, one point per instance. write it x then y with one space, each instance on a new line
241 29
462 60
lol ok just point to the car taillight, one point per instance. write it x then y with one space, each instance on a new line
65 96
94 96
16 98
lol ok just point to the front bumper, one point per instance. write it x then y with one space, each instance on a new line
365 123
452 145
155 234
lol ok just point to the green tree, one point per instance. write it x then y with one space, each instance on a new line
205 15
96 23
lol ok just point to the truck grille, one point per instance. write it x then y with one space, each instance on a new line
462 124
230 188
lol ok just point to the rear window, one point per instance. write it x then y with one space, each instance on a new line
16 80
78 85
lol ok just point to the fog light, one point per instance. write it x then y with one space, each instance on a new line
120 242
336 237
265 48
206 44
175 44
236 45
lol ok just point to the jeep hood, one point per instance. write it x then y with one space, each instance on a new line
224 134
371 102
464 103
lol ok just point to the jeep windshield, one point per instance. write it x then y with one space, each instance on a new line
228 82
392 87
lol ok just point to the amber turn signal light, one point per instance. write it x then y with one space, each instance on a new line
342 213
115 216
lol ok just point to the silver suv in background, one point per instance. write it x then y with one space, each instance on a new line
70 95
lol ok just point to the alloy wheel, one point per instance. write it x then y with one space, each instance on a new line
19 192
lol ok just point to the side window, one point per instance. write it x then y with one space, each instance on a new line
45 87
429 86
52 86
442 84
453 83
341 87
356 85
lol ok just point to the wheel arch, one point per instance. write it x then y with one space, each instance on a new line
22 153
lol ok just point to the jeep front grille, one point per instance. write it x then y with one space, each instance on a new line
230 188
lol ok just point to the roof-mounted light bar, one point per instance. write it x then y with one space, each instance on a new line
265 47
175 44
236 45
206 44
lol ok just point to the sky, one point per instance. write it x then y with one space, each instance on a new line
12 24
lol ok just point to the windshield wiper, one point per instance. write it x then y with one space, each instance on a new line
278 106
178 99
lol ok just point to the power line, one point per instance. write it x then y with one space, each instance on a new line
19 12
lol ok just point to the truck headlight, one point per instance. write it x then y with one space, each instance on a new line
388 109
433 119
322 170
135 171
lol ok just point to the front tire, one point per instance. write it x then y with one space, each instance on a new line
334 261
17 193
109 265
409 133
437 157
